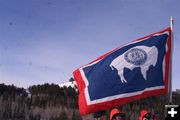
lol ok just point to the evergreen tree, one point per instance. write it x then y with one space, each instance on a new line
76 116
63 115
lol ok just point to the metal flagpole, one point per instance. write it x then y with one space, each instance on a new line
170 76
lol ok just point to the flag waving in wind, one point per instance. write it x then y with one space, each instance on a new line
137 70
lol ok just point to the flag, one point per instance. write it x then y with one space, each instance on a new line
136 70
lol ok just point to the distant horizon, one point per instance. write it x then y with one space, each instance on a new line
33 84
174 90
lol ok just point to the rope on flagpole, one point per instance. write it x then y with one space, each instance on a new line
172 45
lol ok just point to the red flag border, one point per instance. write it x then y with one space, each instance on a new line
85 107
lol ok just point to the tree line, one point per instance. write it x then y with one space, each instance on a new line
38 102
51 102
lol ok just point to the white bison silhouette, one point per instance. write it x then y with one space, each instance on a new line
139 56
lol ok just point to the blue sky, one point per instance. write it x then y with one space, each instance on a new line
44 41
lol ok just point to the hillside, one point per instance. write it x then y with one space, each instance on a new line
52 102
45 102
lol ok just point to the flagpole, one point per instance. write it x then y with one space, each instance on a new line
172 45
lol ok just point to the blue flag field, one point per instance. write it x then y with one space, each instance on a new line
136 70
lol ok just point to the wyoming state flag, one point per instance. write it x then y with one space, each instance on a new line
137 70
